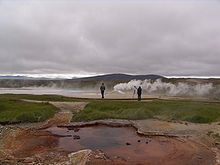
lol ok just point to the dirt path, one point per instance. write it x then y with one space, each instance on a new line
67 110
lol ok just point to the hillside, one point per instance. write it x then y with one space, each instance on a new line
113 77
87 82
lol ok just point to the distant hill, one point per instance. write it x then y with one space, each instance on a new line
75 83
14 77
110 77
27 78
113 77
94 82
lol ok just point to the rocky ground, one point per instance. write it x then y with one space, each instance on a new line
13 138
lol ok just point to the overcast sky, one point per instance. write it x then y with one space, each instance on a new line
96 37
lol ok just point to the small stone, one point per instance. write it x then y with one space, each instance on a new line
98 156
28 160
139 141
80 157
76 137
217 143
76 129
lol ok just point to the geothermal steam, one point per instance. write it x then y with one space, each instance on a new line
164 88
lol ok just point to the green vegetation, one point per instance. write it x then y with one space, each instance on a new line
36 97
196 112
13 110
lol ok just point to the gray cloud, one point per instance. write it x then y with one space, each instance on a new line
137 37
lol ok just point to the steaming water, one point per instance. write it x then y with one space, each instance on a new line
127 90
163 88
75 91
121 142
41 91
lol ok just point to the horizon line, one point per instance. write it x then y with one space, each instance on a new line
71 76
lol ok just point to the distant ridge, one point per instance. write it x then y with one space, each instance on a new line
27 78
112 77
106 77
14 77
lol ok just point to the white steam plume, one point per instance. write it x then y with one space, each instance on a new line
164 88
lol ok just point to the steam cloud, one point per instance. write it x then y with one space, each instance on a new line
164 88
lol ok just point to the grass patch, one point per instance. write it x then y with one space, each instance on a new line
37 97
13 110
195 112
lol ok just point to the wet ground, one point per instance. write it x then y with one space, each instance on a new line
118 144
125 144
53 141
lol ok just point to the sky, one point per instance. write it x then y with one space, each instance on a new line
88 37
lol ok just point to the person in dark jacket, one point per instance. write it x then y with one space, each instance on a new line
102 89
139 92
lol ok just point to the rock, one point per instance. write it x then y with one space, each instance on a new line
28 160
80 157
139 141
199 157
128 143
76 129
97 155
76 137
217 143
116 157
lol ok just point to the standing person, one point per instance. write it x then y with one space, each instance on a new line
135 88
102 89
139 92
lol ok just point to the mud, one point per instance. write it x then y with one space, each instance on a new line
124 144
121 145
